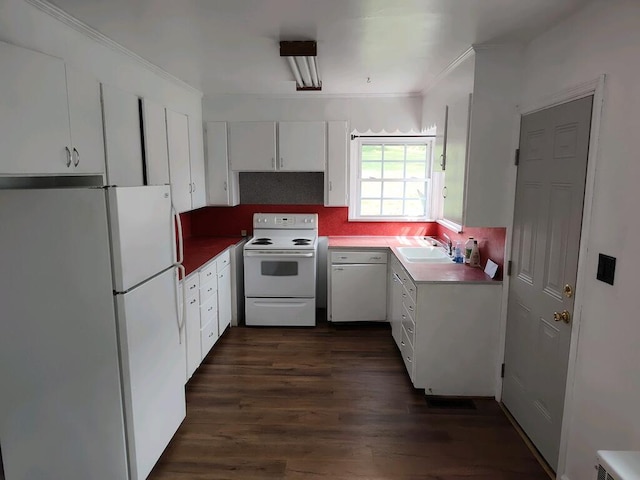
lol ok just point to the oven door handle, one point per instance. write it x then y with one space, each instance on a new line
267 254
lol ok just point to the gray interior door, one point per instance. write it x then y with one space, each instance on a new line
546 235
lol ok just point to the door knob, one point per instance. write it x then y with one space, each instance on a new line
565 316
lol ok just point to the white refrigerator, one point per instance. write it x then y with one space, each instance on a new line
92 366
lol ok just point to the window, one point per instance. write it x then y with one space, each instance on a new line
392 179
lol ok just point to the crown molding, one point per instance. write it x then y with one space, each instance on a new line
450 68
89 32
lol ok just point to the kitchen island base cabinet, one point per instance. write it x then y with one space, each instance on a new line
455 342
358 286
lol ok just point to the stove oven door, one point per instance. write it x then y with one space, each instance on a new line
281 274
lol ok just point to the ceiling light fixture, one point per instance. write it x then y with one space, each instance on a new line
301 56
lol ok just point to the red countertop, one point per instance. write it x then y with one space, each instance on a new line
200 249
420 272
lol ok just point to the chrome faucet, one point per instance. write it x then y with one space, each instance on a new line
449 246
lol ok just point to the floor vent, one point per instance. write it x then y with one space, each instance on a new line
450 403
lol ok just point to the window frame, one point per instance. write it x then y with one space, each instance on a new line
356 180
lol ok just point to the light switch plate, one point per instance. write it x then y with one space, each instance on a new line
606 268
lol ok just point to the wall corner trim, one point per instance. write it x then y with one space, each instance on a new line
87 31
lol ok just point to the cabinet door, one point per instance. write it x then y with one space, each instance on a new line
192 327
252 146
440 148
179 168
196 164
224 299
85 118
221 188
156 152
122 137
358 292
456 159
302 146
337 162
34 118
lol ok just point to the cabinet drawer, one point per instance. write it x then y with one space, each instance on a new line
223 260
208 337
410 288
208 273
209 311
409 302
191 285
407 353
409 326
373 256
207 290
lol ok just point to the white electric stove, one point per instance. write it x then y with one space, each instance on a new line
280 270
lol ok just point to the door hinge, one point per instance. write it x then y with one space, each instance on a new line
517 156
502 371
509 265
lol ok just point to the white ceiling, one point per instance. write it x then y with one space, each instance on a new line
232 46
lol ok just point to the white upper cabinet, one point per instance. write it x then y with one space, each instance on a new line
336 187
156 152
302 146
35 125
222 184
297 146
252 146
457 144
179 168
85 119
186 163
123 141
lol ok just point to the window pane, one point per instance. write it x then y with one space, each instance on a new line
415 208
371 152
371 170
416 170
393 189
370 207
393 169
392 207
394 152
371 189
416 152
416 190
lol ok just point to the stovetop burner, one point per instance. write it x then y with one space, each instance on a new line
262 241
301 241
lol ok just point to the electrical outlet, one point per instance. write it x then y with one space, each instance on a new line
243 233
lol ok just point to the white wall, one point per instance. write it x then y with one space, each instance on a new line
24 25
604 37
364 113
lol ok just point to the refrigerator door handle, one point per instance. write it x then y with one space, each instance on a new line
180 311
180 246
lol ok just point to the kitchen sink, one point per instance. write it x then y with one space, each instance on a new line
424 254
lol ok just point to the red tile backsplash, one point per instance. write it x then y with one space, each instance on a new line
491 243
219 221
334 221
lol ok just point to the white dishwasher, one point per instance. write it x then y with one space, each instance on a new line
358 286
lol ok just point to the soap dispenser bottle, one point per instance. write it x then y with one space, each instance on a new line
474 258
458 256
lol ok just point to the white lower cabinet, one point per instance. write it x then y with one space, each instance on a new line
208 308
447 333
224 296
192 323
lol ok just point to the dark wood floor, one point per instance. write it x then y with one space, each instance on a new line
333 402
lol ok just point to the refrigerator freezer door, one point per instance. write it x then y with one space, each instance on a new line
153 365
60 395
142 235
